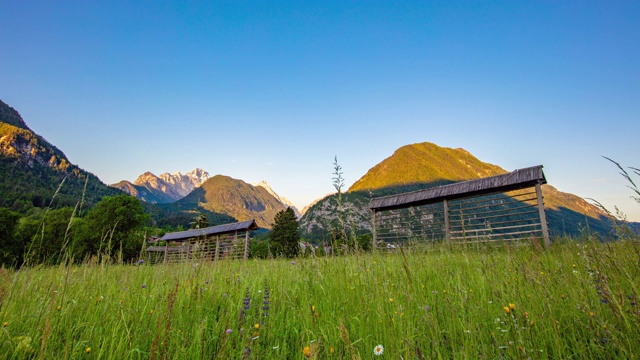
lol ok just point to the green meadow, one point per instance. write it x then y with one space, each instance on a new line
577 299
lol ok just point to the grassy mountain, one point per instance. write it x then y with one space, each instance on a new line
32 169
236 198
425 165
412 166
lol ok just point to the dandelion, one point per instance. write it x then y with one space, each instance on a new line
256 326
4 324
88 350
507 310
59 307
306 351
512 306
378 350
390 300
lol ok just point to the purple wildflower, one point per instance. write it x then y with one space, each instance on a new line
144 285
229 331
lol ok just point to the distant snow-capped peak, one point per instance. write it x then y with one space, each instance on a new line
283 200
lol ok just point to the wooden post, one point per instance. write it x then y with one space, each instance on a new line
166 247
543 217
447 232
373 228
246 245
215 258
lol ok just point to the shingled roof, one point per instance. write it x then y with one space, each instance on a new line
518 179
209 231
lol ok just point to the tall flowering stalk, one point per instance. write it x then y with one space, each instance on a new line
265 302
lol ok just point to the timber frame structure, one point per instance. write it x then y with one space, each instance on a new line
228 241
507 207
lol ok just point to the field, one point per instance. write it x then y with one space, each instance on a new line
577 300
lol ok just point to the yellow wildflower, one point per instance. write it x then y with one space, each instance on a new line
88 350
257 326
306 351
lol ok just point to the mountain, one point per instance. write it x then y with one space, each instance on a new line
420 166
283 200
33 172
165 188
233 197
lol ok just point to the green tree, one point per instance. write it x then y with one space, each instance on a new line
10 246
284 237
46 234
200 221
113 227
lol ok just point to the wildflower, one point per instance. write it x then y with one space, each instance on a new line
313 308
390 300
331 350
507 310
512 306
59 307
562 296
378 350
4 324
293 263
256 326
140 262
592 314
229 331
151 312
144 285
88 350
427 308
306 351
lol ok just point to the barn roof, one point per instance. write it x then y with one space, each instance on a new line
518 179
211 230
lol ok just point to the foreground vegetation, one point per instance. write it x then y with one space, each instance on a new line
575 300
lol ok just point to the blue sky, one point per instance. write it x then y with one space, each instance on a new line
274 90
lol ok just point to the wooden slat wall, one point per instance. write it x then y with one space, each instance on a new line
229 247
510 216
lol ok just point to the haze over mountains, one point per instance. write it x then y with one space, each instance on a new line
34 172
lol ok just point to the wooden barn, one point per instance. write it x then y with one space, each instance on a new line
227 241
507 207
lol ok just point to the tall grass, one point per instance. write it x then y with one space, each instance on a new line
576 300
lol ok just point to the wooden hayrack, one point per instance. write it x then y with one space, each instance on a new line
507 207
228 241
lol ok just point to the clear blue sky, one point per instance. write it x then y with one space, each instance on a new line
274 90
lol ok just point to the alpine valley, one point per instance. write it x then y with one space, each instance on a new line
35 174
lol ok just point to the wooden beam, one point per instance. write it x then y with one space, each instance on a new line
246 245
373 228
543 217
447 226
217 254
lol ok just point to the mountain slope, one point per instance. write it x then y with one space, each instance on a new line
32 170
416 164
236 198
424 165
